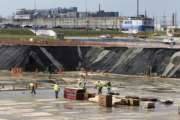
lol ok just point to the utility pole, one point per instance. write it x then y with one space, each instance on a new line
164 23
35 18
99 7
86 7
87 19
137 8
35 5
174 19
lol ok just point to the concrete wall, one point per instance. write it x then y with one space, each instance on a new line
99 22
130 61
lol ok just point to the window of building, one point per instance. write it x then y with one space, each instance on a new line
128 22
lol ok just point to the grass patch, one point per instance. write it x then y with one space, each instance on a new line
15 32
83 32
25 34
20 34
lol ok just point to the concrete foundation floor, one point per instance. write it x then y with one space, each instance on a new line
21 105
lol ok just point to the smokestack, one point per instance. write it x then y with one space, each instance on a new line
145 14
99 7
137 8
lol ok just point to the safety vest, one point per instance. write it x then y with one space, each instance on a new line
99 85
56 87
108 84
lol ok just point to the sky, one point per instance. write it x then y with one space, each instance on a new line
154 8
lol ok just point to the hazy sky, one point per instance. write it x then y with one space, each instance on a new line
125 7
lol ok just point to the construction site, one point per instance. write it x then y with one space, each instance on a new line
64 64
141 84
143 74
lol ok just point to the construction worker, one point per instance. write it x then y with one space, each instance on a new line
56 90
99 87
84 84
33 88
80 83
109 85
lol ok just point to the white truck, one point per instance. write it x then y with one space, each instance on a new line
170 41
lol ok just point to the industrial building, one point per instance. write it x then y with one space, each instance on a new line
24 14
72 12
100 13
67 18
75 23
137 24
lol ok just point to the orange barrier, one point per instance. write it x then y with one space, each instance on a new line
60 71
16 71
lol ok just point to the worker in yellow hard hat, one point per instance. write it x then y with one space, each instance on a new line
56 90
33 88
99 86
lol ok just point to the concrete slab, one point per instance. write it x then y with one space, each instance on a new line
21 105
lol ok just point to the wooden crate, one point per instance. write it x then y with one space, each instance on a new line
89 95
105 100
134 102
